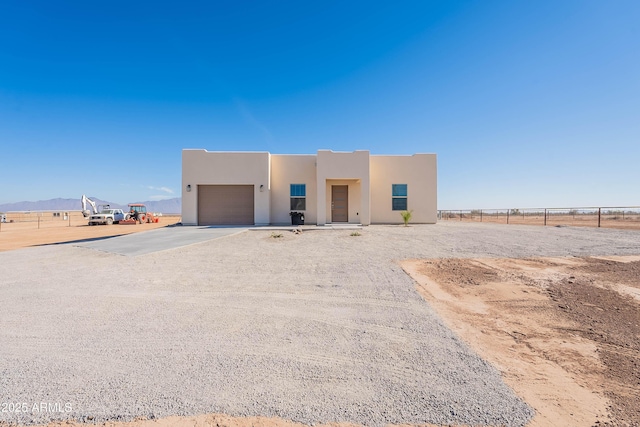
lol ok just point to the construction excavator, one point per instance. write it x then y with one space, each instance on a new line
87 201
137 214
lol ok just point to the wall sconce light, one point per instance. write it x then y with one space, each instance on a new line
188 188
261 188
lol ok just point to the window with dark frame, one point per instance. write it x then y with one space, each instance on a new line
298 194
399 197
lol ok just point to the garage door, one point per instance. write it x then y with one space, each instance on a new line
225 205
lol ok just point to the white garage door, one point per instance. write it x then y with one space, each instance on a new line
225 205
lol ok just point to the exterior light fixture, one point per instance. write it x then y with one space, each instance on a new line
188 188
261 188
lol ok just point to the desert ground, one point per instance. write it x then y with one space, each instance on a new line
447 324
17 235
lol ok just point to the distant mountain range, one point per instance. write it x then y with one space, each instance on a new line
168 206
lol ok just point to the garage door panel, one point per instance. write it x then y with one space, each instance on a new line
225 205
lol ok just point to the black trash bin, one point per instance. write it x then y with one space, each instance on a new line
297 218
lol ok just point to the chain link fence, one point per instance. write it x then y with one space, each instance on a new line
41 219
25 220
608 217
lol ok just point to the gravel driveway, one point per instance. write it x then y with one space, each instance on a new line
318 327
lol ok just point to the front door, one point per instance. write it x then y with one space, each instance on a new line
339 203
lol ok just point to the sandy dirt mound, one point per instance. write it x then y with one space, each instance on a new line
564 332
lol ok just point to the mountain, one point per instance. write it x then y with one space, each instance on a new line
169 206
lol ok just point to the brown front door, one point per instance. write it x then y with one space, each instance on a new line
339 203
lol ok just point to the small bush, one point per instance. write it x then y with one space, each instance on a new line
406 217
276 235
355 233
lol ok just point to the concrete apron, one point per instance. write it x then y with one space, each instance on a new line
160 239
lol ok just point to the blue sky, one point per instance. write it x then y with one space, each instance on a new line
526 103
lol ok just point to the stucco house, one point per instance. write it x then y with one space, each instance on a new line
259 188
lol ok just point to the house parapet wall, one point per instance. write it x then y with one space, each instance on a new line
419 173
287 169
202 167
343 166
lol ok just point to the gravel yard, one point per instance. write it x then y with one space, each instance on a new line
317 327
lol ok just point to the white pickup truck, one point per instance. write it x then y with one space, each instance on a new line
107 216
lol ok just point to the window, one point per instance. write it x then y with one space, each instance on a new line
298 197
399 197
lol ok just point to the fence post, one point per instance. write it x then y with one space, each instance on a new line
460 215
480 215
38 222
507 216
599 217
545 217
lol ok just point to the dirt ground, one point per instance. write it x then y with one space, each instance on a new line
564 332
17 235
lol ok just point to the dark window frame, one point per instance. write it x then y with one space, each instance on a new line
298 197
399 197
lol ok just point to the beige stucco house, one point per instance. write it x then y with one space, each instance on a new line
237 188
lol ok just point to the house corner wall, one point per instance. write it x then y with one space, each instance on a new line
189 198
201 167
419 172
